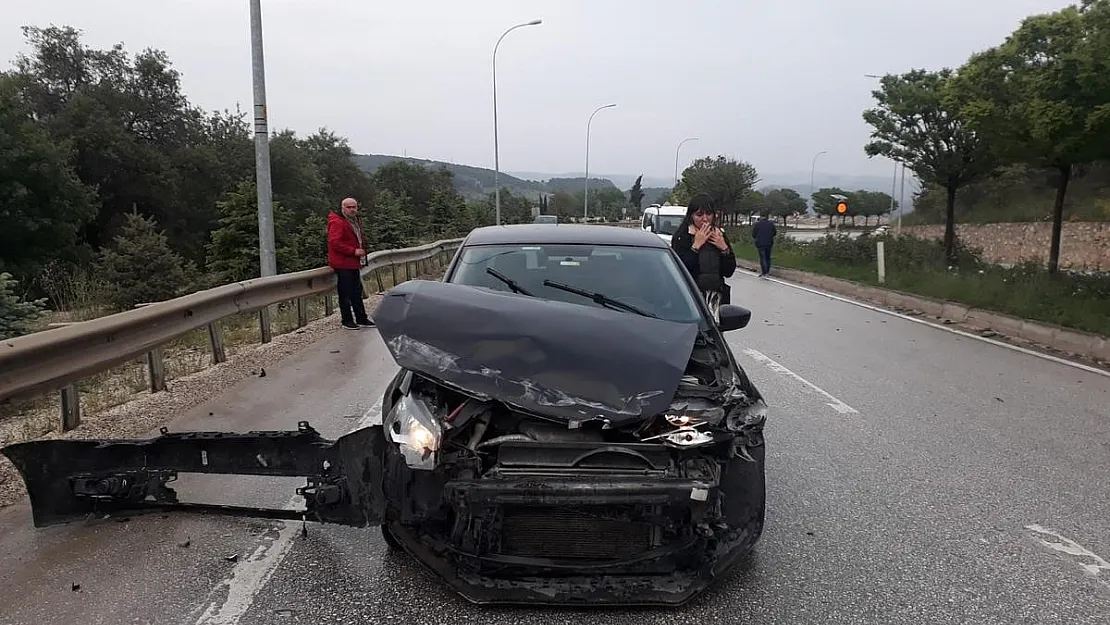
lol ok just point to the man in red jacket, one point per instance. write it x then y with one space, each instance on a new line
346 249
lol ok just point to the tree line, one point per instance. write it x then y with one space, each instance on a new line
116 190
1038 101
731 183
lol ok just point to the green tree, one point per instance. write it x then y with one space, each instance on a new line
335 163
307 247
17 315
390 228
139 265
636 194
917 121
1042 97
824 204
728 181
515 209
43 204
233 253
784 203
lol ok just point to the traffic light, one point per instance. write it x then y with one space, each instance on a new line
842 207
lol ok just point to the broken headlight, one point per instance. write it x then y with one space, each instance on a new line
416 432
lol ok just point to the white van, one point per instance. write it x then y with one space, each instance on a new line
663 220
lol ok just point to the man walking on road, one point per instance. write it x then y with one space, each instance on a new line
764 234
346 250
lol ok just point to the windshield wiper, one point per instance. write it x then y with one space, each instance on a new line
599 298
508 282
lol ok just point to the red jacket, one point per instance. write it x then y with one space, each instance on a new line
342 242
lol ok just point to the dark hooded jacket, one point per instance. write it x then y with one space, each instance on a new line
709 266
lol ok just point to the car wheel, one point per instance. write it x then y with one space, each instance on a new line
390 540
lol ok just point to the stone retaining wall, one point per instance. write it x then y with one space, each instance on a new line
1083 245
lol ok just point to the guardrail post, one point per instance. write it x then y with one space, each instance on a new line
329 305
882 262
378 278
156 366
408 271
71 408
264 324
302 312
393 270
216 341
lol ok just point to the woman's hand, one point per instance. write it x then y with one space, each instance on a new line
718 240
701 236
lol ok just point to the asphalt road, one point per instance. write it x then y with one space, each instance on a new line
914 476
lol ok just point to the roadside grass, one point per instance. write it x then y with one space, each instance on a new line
35 417
917 266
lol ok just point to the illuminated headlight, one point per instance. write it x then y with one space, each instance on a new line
416 432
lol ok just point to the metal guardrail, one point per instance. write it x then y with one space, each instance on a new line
58 358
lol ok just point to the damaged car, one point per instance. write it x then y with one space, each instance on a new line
567 426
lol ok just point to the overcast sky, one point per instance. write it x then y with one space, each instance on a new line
772 82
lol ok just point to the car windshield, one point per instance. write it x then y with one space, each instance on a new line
647 279
546 219
667 224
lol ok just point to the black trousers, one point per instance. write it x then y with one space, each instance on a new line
349 286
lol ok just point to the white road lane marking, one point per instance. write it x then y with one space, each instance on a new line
833 402
250 574
1060 543
938 326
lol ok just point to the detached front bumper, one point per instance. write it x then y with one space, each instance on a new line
579 540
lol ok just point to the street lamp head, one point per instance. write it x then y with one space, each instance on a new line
534 23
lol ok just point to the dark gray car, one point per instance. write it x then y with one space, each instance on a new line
568 426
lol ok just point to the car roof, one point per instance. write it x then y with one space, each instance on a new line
562 234
672 210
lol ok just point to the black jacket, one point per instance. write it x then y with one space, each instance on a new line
764 233
709 266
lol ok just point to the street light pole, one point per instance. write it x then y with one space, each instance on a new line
812 169
266 253
893 186
496 151
586 199
901 202
676 157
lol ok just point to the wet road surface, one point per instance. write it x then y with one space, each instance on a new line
914 476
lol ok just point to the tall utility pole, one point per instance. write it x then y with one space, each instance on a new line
586 199
266 254
676 150
812 169
901 201
496 151
893 187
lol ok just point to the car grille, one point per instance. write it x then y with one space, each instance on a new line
574 534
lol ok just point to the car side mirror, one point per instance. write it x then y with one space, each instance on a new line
733 317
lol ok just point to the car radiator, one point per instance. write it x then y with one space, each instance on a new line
572 534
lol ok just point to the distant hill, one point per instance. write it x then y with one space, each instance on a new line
575 185
477 182
655 195
472 182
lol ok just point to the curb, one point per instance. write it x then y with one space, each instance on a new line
1074 342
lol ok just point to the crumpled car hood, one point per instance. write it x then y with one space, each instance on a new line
567 361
